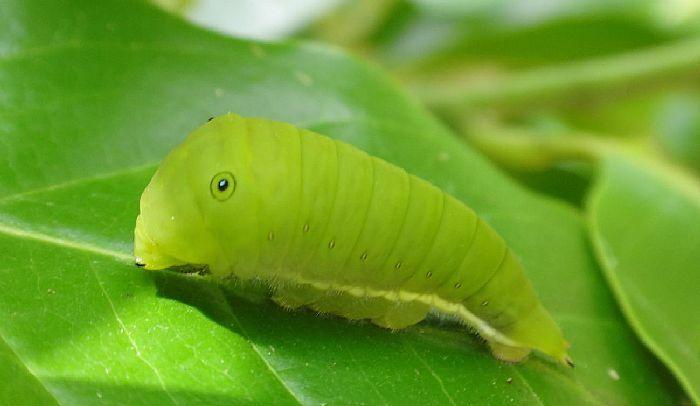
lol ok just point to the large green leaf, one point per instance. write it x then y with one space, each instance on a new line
95 93
645 223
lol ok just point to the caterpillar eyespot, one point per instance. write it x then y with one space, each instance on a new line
287 178
222 185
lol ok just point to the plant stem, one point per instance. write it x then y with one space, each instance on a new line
567 79
531 151
525 149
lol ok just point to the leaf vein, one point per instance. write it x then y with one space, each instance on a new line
436 376
61 242
259 353
137 351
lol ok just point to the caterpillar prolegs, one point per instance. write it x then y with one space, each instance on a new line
332 228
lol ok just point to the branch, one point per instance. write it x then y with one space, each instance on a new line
667 61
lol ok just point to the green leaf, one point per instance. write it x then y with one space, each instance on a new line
95 93
645 224
19 385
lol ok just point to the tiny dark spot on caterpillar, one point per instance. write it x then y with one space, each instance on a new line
458 285
210 118
569 362
485 303
398 265
428 274
271 235
140 265
306 228
509 380
363 257
331 244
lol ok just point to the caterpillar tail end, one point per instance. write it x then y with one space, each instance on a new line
566 359
563 357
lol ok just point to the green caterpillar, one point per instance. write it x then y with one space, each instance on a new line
329 227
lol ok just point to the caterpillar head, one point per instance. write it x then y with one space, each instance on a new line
190 199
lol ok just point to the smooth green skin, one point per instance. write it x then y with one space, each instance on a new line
300 214
104 138
645 224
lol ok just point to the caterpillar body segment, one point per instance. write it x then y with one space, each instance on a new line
332 228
